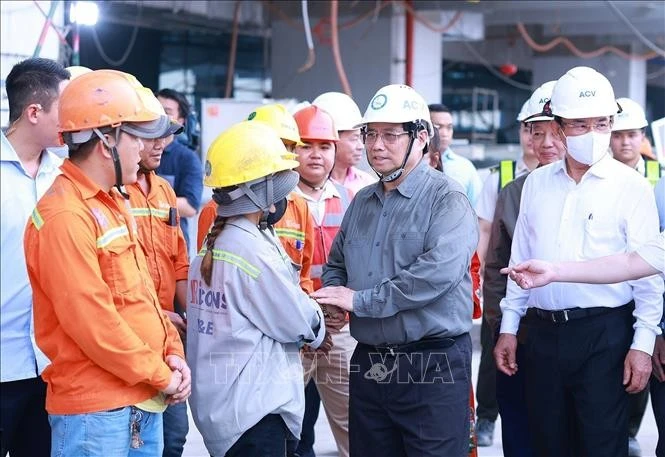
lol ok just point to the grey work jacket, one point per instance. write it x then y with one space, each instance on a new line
243 336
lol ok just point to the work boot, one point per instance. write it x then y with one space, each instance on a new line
634 449
484 432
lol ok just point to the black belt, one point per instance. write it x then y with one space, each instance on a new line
565 315
420 345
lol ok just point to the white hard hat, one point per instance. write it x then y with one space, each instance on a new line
523 112
583 93
397 103
538 99
631 117
342 108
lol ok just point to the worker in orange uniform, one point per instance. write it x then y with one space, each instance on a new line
327 202
295 229
117 360
154 207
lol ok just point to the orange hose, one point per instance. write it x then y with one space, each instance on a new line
335 48
582 54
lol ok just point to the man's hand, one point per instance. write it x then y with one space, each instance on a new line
172 388
335 318
179 324
339 296
504 353
184 388
532 273
636 371
324 348
658 359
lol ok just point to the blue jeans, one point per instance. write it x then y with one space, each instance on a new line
105 434
176 426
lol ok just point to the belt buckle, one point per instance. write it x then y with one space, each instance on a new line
565 317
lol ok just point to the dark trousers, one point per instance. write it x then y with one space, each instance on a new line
637 404
266 439
511 398
486 404
176 427
412 402
576 399
658 405
24 426
305 446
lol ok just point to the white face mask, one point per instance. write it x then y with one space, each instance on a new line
588 148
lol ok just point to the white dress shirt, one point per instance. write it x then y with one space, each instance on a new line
318 207
612 210
653 253
20 358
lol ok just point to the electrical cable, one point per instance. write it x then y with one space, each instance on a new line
455 19
311 56
582 54
130 46
230 69
492 70
649 44
335 49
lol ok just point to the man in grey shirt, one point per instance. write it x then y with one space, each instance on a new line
400 266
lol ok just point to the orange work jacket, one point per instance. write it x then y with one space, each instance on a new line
96 312
160 236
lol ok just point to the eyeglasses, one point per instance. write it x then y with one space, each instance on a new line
580 128
387 137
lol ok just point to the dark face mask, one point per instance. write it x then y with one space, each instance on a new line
280 209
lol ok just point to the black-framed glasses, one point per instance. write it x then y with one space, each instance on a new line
390 138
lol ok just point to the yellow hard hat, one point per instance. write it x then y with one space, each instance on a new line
279 119
245 152
76 70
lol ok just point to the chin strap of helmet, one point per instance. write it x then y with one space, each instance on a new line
116 159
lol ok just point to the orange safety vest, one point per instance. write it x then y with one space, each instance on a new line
324 234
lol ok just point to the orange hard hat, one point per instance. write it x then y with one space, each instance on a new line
315 124
101 98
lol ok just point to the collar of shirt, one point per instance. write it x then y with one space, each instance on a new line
410 183
448 154
329 191
521 168
49 161
640 167
87 187
244 224
600 169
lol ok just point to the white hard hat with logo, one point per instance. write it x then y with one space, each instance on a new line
631 117
583 93
342 108
397 103
523 114
540 96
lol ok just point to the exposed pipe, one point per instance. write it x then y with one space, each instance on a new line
584 55
230 70
408 24
335 48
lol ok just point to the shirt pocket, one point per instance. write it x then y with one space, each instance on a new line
120 269
600 239
406 247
